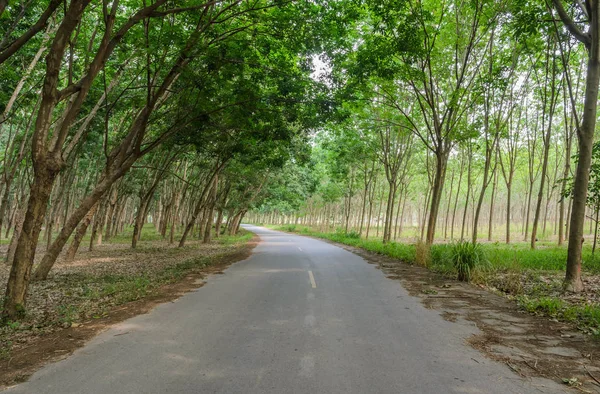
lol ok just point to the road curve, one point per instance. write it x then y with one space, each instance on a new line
298 316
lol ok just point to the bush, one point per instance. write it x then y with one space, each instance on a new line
290 228
353 235
341 233
441 259
466 257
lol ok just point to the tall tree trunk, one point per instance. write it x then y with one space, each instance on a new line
200 203
441 162
460 176
218 223
80 233
446 220
585 136
596 229
469 180
371 201
210 211
566 175
529 194
508 207
22 262
389 213
492 201
18 225
379 212
114 193
140 220
546 137
363 209
4 203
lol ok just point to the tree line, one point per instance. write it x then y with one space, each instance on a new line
114 113
460 118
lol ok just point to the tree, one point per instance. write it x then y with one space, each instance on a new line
585 132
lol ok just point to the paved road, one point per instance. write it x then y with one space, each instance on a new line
298 316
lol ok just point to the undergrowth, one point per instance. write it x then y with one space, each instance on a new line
585 316
499 256
466 258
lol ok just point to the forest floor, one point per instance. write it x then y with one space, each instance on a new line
526 320
103 287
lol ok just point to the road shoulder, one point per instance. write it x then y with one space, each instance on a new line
531 346
62 342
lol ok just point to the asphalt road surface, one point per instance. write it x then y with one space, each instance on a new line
298 316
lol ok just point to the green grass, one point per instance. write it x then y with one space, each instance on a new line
585 317
466 258
518 256
242 236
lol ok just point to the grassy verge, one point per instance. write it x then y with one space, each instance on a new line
585 317
531 277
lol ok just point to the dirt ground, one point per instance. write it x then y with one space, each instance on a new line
531 346
42 340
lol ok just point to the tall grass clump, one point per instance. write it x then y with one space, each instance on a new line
353 235
340 232
422 254
289 228
441 259
466 257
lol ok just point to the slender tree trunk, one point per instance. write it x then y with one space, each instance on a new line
464 220
585 136
529 193
492 201
546 152
563 189
4 203
398 211
80 233
218 223
460 176
508 207
111 213
140 220
363 210
402 212
441 163
379 213
371 201
389 213
596 230
18 225
423 220
448 206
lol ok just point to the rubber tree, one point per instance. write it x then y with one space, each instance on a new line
50 139
590 38
438 82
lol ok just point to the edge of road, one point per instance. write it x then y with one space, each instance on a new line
60 344
529 345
